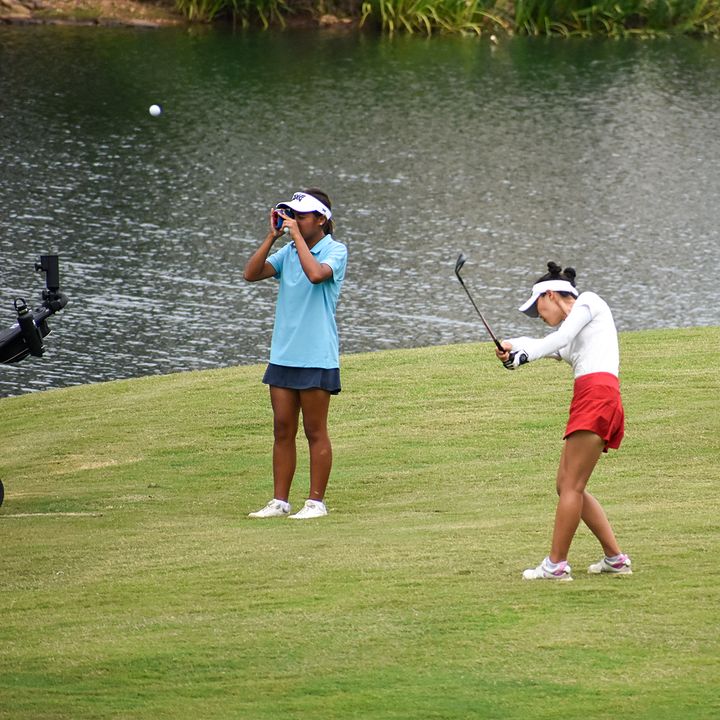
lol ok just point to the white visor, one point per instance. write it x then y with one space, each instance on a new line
530 307
304 203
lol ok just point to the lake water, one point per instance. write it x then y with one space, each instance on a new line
603 155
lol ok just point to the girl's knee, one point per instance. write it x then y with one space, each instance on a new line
316 435
569 486
284 430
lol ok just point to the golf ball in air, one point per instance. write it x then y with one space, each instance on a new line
155 110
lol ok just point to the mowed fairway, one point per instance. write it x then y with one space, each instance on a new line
132 585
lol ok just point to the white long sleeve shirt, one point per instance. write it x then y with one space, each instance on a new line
587 339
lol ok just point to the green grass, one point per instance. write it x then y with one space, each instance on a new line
133 586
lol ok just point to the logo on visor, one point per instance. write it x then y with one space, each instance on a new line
298 196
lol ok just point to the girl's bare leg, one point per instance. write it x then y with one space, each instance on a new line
315 404
595 518
286 413
577 461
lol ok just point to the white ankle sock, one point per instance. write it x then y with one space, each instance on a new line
554 566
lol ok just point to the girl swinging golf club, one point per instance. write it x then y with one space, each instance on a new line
587 339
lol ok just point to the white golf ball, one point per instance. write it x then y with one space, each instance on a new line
155 110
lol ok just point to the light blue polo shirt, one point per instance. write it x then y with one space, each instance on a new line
305 332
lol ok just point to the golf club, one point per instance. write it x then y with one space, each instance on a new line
458 266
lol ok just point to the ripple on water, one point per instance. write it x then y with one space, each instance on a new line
602 155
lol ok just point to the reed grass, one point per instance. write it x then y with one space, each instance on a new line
430 16
567 18
240 12
616 19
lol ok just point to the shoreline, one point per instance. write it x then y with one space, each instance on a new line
128 13
105 13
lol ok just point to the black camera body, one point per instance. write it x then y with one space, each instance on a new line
25 337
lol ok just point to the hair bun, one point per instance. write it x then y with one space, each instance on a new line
570 274
554 268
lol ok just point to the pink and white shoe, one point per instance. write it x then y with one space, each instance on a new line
618 565
544 571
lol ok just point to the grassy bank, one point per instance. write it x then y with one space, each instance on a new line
615 18
133 585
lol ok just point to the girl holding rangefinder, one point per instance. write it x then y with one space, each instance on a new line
587 339
304 368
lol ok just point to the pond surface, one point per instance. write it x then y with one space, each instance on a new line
603 155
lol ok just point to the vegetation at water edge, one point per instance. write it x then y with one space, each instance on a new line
567 18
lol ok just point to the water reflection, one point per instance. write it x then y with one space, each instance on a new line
599 154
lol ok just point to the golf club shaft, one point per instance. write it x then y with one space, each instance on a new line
484 322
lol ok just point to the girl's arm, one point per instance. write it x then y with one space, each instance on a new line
257 267
551 344
316 272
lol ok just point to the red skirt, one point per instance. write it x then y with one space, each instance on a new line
596 406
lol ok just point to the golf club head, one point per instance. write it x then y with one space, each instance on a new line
460 262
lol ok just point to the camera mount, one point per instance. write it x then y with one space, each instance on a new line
25 336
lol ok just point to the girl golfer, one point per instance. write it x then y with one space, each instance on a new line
587 339
304 357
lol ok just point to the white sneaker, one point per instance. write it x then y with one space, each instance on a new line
275 508
543 572
311 509
620 565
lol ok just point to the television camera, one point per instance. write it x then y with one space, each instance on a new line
25 337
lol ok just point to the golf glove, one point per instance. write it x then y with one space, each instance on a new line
515 359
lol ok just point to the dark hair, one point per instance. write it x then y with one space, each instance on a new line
322 196
555 272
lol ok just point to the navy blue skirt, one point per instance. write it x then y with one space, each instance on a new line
302 378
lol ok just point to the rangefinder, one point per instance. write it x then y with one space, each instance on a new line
285 211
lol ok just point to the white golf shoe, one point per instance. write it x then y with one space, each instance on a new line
275 508
618 565
543 572
311 509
